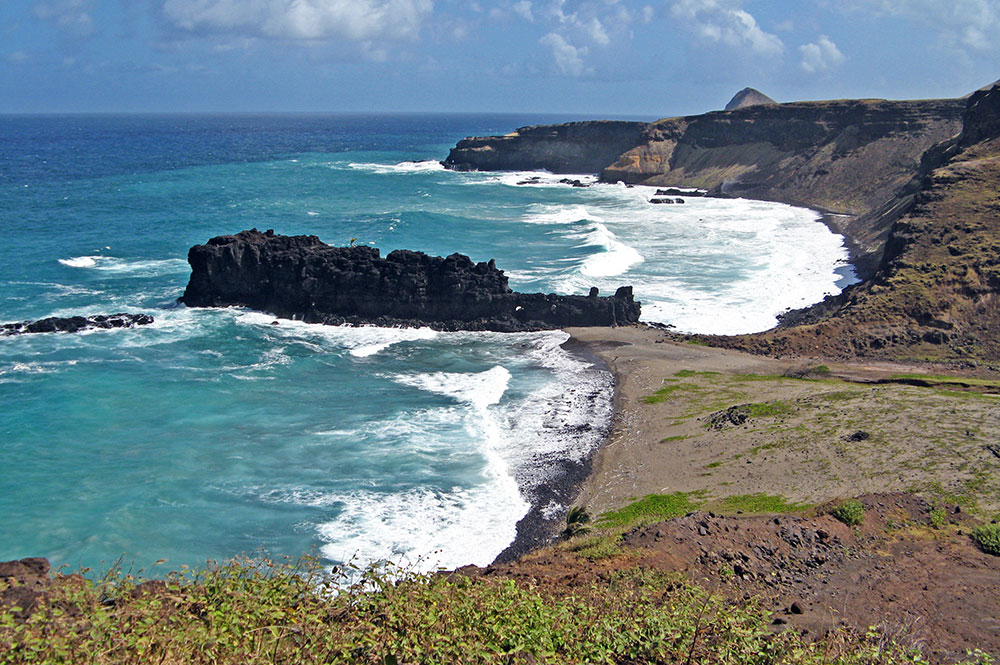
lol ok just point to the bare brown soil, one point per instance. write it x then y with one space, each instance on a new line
926 586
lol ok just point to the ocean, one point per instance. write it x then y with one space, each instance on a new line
213 433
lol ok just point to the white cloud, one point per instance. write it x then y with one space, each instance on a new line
973 24
820 55
306 20
725 22
523 9
71 16
17 57
577 27
569 58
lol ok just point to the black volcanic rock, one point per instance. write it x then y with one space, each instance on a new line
301 277
748 97
76 323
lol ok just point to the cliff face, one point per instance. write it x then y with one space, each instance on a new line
843 156
847 157
575 147
936 292
301 277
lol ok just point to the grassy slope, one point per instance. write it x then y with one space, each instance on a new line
253 612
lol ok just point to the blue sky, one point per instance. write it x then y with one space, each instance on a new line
594 57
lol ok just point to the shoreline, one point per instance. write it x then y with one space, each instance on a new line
534 530
847 429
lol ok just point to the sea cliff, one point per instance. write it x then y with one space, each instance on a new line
575 147
845 156
935 293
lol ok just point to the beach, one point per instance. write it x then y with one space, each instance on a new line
808 436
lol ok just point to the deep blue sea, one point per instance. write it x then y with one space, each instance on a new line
212 433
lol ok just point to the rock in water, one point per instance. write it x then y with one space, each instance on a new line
748 97
303 278
76 323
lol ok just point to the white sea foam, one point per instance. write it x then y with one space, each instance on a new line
541 179
722 266
400 168
616 258
425 529
480 389
81 261
546 213
142 268
358 341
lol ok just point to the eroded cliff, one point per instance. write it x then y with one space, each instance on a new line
936 291
847 156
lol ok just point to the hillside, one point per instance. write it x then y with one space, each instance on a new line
748 97
934 294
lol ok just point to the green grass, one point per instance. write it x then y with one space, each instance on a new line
652 508
679 437
713 465
987 536
759 503
597 547
665 392
684 373
851 513
252 613
768 409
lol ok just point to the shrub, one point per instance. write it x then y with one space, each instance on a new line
576 521
987 537
850 512
938 517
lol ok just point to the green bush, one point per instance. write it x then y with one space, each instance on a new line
577 519
850 512
987 537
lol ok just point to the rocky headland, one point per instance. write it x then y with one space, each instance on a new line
574 147
303 278
845 156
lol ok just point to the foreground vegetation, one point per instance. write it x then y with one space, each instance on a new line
260 612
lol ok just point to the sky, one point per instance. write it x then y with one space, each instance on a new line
603 58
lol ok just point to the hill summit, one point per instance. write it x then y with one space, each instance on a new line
748 97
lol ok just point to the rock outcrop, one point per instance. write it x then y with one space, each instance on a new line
574 147
748 97
76 323
301 277
936 292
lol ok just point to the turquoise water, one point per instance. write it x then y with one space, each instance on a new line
213 433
